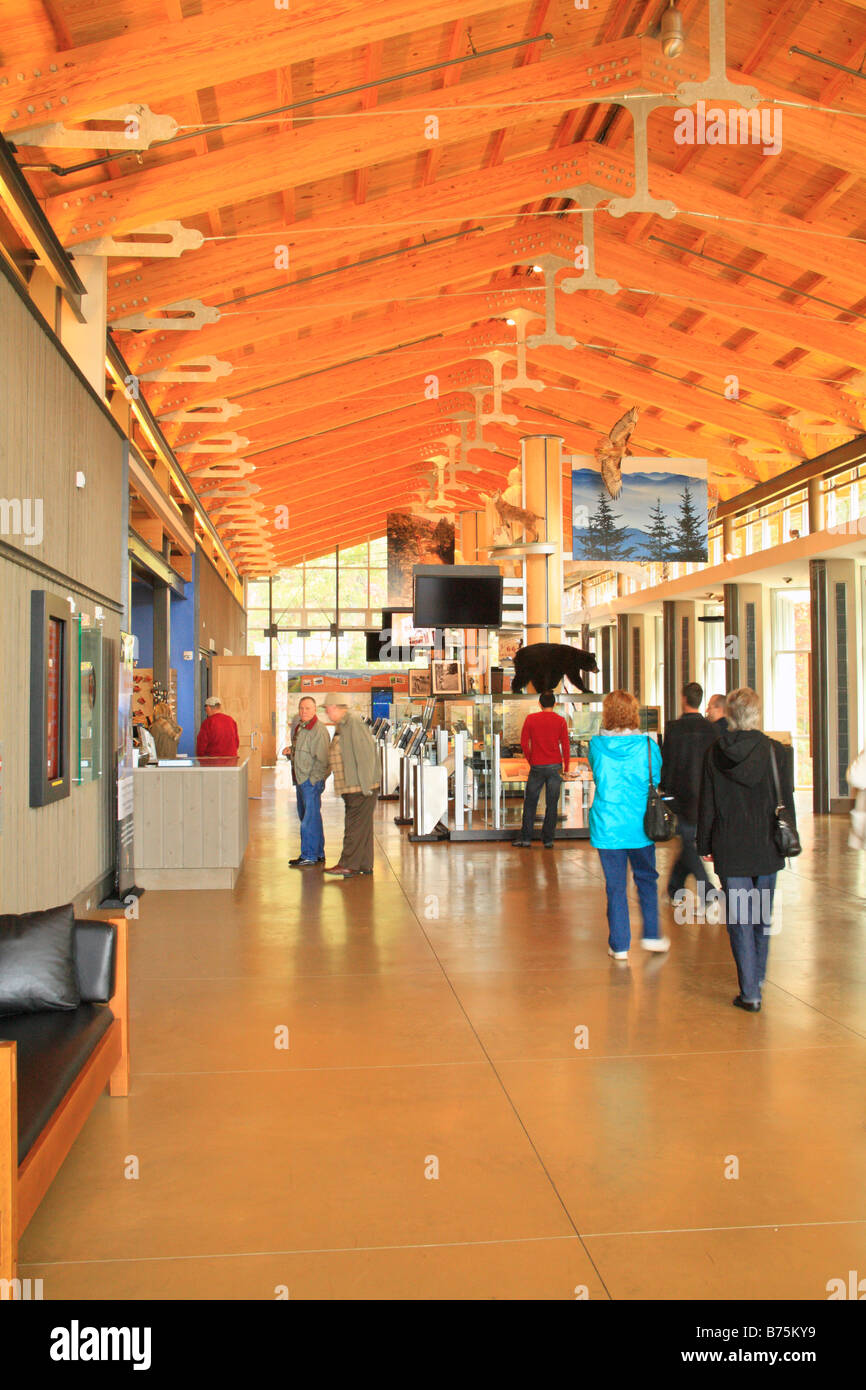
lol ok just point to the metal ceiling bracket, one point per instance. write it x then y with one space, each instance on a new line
214 413
587 196
718 86
226 443
184 316
199 369
522 317
240 487
550 264
221 468
640 109
133 127
159 240
497 360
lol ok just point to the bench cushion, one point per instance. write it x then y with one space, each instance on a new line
37 961
52 1049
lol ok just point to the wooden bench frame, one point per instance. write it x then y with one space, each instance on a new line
23 1187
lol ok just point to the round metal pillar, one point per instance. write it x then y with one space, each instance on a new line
541 459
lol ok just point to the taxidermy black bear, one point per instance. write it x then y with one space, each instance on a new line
543 664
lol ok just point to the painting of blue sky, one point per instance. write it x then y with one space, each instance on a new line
660 515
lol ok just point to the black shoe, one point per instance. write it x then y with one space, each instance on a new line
303 863
747 1004
321 859
293 863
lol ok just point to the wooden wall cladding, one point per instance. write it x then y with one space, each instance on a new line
51 428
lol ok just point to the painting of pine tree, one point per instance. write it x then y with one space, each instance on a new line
604 539
660 517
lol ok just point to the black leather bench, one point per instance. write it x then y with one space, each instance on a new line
53 1067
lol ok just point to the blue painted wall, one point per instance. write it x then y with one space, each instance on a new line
141 622
183 639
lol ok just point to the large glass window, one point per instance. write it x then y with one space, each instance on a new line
792 696
714 651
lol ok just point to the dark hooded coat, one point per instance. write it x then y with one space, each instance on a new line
737 803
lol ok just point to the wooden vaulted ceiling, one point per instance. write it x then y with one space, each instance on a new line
406 255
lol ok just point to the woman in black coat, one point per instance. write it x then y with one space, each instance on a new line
736 825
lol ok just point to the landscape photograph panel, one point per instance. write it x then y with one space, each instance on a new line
659 515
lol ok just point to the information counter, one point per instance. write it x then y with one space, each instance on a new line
191 822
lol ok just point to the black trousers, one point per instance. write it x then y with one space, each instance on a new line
358 831
549 777
689 862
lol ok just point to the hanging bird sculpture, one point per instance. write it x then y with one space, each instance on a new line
609 452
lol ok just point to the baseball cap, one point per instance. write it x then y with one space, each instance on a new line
213 700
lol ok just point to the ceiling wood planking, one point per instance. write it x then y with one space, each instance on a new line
332 357
186 187
234 42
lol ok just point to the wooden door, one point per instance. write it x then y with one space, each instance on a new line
238 682
269 718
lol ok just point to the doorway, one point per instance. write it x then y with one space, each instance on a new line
792 684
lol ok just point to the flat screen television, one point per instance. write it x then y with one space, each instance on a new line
457 596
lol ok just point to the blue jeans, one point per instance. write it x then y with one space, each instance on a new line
310 815
749 912
614 863
549 777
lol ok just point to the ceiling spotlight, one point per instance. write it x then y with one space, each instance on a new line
673 41
511 322
537 269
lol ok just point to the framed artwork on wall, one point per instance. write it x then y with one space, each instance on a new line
419 683
447 677
52 649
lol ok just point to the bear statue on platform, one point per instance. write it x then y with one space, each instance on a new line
543 665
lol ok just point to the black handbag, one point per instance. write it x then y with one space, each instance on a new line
785 836
659 822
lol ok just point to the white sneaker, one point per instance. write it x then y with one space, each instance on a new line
617 955
656 943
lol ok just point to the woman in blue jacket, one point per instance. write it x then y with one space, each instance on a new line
620 758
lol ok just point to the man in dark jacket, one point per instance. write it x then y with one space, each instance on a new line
736 829
716 713
685 744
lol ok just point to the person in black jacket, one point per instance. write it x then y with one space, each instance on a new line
685 744
736 824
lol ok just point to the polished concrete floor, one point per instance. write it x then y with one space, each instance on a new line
432 1130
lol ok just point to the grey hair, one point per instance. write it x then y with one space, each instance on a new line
743 708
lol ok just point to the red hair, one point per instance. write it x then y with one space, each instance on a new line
620 710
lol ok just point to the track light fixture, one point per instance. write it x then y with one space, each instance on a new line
673 41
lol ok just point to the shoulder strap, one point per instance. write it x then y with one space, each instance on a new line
779 801
649 758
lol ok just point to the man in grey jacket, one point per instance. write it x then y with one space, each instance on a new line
354 761
309 751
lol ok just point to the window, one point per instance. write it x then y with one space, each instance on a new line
792 695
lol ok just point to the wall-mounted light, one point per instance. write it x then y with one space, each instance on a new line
673 40
80 479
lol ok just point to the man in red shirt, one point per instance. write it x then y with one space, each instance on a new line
544 740
218 735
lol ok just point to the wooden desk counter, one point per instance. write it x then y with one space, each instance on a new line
191 822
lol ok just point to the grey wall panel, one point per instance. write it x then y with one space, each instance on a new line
220 617
51 427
